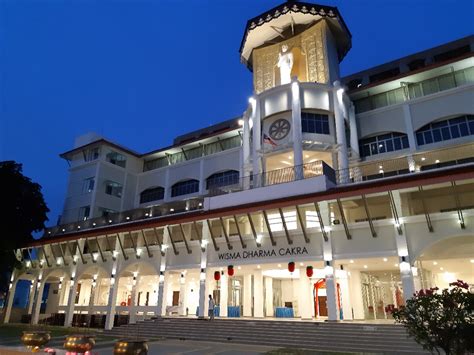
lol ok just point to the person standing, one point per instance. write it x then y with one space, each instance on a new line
211 308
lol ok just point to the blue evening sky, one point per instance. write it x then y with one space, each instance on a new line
141 72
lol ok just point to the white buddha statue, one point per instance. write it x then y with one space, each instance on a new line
285 63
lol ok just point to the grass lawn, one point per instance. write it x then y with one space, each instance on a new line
15 330
290 351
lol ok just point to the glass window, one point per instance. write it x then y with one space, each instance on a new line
225 178
314 123
113 188
383 143
105 212
91 154
84 213
88 185
184 188
116 159
152 194
446 130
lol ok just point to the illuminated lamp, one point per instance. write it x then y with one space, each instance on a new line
230 270
309 271
217 275
291 266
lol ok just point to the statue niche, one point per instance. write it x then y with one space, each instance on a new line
290 64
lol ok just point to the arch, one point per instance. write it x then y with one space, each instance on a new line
152 194
222 178
445 129
445 245
185 187
383 143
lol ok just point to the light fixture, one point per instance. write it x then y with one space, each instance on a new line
251 100
259 238
94 224
200 204
171 209
385 259
437 161
187 208
351 261
164 247
279 265
435 263
127 218
472 261
441 268
240 122
301 264
359 85
110 221
423 158
381 171
78 227
396 265
258 266
146 214
290 157
306 156
239 267
365 266
63 230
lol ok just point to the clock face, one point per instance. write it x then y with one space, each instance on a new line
279 129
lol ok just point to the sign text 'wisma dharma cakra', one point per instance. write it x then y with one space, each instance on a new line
263 253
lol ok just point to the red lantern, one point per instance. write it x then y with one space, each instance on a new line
217 275
291 266
309 271
230 270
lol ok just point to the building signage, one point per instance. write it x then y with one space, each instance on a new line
263 253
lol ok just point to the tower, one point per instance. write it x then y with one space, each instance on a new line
294 51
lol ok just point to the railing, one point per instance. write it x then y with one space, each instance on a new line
414 90
418 162
274 177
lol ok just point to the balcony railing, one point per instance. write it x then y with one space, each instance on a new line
413 90
274 177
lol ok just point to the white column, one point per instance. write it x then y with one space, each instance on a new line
296 129
204 274
31 296
409 127
257 136
182 294
269 309
247 302
11 296
305 295
354 138
331 293
342 158
357 301
246 144
160 308
202 178
134 297
109 319
405 263
37 306
345 294
224 295
258 294
71 303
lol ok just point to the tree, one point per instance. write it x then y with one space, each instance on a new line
22 212
441 320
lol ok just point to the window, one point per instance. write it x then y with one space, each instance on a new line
113 188
91 154
314 123
105 212
88 185
152 194
225 178
116 159
383 143
439 131
84 213
184 188
193 153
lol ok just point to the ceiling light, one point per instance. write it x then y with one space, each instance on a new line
441 268
351 261
396 265
306 156
301 264
290 157
423 158
258 266
435 263
239 267
171 209
365 266
437 161
279 265
472 261
385 259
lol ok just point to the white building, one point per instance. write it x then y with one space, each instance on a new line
365 183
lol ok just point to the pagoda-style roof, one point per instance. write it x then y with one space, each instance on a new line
267 27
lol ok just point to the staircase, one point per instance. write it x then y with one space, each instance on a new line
322 336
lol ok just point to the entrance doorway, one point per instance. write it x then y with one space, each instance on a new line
320 299
175 298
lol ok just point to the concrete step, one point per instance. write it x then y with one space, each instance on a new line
328 336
